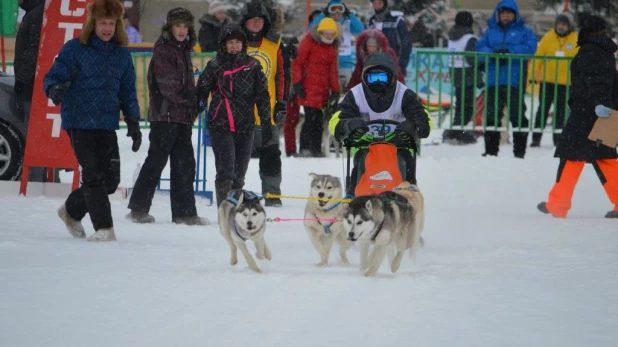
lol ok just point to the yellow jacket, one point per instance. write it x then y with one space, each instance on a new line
552 45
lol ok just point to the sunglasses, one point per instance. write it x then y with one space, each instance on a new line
377 77
336 8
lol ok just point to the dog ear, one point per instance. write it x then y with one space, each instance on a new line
312 175
369 207
241 198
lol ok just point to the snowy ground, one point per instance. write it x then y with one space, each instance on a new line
494 271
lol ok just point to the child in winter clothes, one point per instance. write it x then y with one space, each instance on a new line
172 111
371 41
236 83
316 82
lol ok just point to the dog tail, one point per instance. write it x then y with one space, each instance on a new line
413 241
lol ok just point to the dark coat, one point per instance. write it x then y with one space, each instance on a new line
27 47
102 80
244 87
210 31
171 83
395 28
594 82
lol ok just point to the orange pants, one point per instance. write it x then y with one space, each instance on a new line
559 201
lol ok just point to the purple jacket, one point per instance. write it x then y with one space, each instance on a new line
170 82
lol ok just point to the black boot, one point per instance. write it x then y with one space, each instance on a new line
492 143
536 140
557 138
222 188
519 144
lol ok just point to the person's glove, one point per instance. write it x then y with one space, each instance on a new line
502 51
281 109
134 133
602 111
201 106
356 129
333 101
267 134
56 93
299 90
406 131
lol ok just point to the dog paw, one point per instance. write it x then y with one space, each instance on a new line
369 273
259 256
321 264
233 261
256 269
344 259
268 256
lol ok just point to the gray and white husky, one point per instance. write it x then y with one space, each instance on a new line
242 218
323 234
382 221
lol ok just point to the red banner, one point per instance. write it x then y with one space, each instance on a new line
46 144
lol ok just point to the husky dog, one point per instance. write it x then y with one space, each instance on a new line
417 201
381 221
328 138
323 234
242 218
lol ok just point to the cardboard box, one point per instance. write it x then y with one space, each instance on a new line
605 130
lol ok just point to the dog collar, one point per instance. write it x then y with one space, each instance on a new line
238 233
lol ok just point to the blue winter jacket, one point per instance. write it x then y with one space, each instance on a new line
102 83
351 25
515 37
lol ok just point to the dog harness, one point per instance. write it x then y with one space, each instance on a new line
377 231
240 235
327 226
247 195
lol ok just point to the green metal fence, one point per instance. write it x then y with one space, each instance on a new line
432 79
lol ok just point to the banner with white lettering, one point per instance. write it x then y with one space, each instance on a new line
46 144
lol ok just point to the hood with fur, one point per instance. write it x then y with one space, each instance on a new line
362 38
101 9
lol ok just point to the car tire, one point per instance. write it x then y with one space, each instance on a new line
11 153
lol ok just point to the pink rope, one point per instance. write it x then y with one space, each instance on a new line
279 219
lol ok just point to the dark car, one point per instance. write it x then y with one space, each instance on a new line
12 131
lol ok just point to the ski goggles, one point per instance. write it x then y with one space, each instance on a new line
377 77
336 8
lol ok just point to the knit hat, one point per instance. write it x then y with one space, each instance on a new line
464 19
590 24
327 24
232 31
215 7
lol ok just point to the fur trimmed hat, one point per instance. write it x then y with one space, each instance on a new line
176 16
104 9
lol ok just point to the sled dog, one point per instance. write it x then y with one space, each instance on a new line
381 221
242 218
323 234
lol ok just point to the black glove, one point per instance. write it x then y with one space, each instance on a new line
502 51
333 101
281 110
267 134
406 131
56 93
356 129
299 90
201 106
134 133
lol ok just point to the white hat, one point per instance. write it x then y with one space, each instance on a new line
215 7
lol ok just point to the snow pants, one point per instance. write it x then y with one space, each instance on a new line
497 99
559 201
171 140
97 154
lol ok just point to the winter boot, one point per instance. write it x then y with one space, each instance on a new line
191 221
556 139
536 140
543 207
222 188
103 235
140 217
519 144
612 214
273 202
492 143
75 227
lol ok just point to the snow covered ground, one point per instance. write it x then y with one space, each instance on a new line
494 271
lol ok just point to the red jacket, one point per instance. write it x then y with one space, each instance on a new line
316 68
361 55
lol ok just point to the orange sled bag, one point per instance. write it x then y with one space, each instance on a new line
381 170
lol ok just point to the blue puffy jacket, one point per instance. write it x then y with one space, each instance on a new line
515 37
102 80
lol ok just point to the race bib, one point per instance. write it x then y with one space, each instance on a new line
559 53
